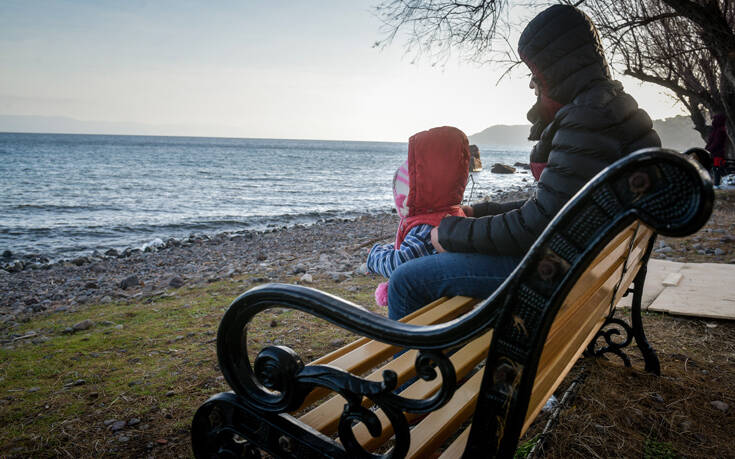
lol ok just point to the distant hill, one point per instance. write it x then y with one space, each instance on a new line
503 135
676 132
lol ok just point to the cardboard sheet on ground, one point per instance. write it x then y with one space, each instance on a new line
690 289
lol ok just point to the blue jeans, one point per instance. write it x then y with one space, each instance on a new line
418 282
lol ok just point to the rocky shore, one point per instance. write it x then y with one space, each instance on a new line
335 249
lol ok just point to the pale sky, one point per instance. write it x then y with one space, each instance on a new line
260 68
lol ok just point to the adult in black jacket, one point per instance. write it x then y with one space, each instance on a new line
583 122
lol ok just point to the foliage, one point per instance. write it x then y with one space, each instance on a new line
653 449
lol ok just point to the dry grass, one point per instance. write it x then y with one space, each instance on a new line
621 412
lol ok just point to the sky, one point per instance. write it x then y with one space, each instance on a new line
250 68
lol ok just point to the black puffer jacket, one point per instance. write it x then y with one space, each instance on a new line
597 124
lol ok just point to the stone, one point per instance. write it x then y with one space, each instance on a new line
306 279
337 276
7 254
720 405
363 269
122 438
130 281
261 257
80 261
14 267
112 253
657 397
176 282
83 325
502 169
108 421
274 323
298 268
133 422
117 425
91 285
522 165
719 251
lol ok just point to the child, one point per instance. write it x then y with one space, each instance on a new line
426 188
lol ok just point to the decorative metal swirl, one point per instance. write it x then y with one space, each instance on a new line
278 381
613 328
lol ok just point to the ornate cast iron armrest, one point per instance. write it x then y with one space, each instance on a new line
278 381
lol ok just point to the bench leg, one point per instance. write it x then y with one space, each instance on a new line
614 327
649 355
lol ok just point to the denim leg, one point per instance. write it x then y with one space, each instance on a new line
418 282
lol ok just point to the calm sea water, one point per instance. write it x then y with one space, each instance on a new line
67 195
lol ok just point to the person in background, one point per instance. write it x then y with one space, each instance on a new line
426 188
475 161
582 120
716 144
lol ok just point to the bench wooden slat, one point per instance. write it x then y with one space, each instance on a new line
561 348
458 446
326 359
439 425
591 281
600 266
464 360
370 354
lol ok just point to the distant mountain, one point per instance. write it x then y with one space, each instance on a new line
676 132
503 135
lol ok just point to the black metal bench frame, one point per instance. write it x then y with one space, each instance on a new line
662 188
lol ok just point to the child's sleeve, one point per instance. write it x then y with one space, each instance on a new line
383 259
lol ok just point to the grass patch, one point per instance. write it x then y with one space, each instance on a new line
153 361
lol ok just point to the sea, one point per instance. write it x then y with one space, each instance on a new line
66 195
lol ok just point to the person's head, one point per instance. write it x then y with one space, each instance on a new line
562 49
435 175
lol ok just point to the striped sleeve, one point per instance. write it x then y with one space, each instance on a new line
383 259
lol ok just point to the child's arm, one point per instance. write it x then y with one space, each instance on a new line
383 259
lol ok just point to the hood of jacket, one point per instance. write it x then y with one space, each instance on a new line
563 50
438 166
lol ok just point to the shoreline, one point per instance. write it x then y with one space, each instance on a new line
13 262
335 248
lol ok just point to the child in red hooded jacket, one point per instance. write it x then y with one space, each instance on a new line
426 188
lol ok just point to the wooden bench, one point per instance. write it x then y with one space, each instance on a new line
485 367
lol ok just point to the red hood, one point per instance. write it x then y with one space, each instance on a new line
438 165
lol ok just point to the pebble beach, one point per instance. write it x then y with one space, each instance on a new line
333 249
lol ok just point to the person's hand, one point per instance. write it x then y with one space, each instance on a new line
435 240
468 211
